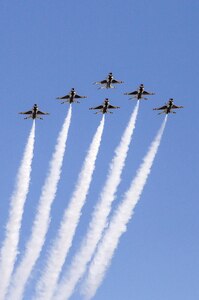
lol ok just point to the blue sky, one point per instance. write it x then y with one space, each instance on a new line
48 48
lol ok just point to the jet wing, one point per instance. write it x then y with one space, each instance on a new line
111 106
97 107
147 93
159 108
132 93
175 106
29 112
101 82
42 113
63 97
78 96
117 81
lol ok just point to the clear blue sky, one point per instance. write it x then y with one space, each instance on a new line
49 47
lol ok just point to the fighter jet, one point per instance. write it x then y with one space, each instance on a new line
33 114
70 97
104 108
139 93
107 83
168 107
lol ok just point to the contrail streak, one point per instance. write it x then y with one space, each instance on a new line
100 215
42 218
119 221
62 243
8 251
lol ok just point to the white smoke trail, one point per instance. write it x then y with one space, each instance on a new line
8 252
100 215
119 221
42 218
62 243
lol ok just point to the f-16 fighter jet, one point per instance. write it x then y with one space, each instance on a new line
104 108
107 83
70 97
168 107
139 93
33 114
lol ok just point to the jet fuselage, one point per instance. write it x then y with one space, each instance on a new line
169 106
105 107
34 111
72 96
140 92
109 81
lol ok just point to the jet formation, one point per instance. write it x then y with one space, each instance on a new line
105 107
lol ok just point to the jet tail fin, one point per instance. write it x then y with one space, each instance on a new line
162 112
98 112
